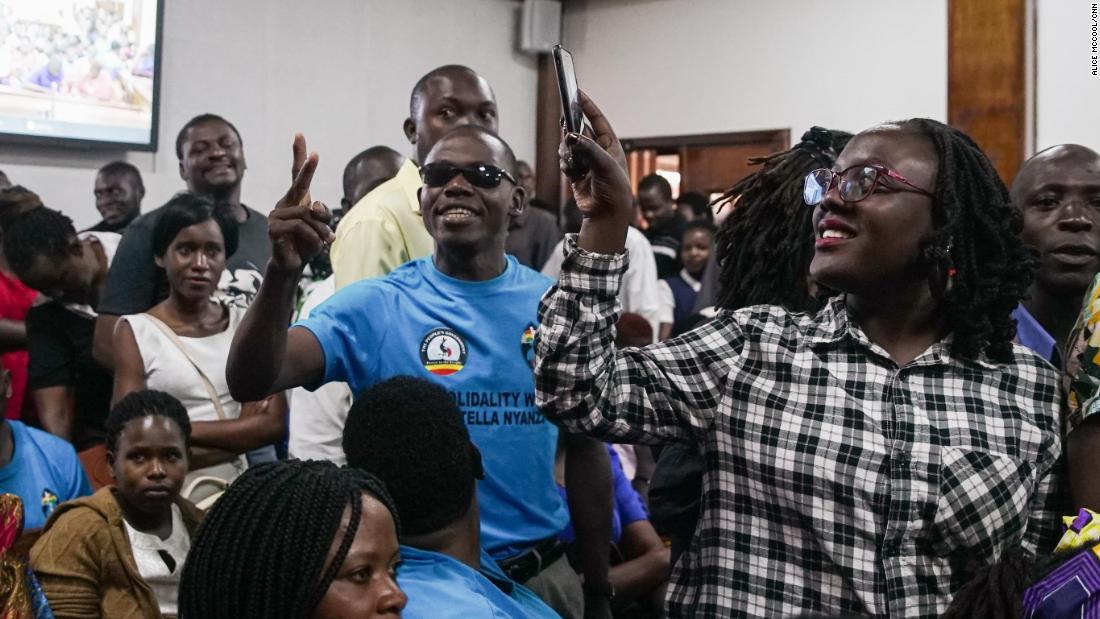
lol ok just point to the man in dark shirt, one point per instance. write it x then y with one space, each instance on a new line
534 233
71 391
118 194
666 224
212 163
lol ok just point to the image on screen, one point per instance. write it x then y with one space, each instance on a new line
79 71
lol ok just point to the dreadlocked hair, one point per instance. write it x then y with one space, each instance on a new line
765 246
978 265
261 551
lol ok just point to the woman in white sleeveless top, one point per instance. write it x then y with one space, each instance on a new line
179 346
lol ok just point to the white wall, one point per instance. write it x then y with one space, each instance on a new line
339 71
667 67
1067 92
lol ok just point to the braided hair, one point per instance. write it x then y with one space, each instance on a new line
765 246
978 265
261 551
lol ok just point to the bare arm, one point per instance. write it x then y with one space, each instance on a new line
266 357
588 489
1082 458
102 340
261 423
646 566
129 365
56 410
13 335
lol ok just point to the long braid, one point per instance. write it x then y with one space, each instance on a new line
765 246
977 235
262 549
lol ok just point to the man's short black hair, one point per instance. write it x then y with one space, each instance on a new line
421 84
200 120
37 232
699 224
509 156
123 168
378 153
145 403
658 182
187 209
409 432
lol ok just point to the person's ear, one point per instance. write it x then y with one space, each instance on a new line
183 174
420 199
410 130
519 201
159 260
111 463
345 204
76 248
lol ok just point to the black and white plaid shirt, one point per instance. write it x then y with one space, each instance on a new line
835 480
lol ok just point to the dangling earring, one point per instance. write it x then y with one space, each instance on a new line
941 272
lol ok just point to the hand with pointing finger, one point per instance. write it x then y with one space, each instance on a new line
298 227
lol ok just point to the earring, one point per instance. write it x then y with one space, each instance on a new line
941 272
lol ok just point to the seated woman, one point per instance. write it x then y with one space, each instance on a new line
180 345
639 559
856 460
120 552
301 538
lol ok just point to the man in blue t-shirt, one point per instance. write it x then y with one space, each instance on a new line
464 318
444 570
39 468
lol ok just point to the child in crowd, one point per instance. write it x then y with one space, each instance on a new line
180 345
678 291
856 459
296 539
120 552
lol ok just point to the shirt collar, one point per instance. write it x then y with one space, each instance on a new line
1031 334
695 284
408 177
833 324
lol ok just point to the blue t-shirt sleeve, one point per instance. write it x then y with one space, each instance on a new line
627 502
347 328
79 485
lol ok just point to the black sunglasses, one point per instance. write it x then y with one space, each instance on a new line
481 175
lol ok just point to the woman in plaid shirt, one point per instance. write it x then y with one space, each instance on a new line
860 460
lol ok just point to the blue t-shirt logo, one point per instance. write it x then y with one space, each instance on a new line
443 352
49 502
527 344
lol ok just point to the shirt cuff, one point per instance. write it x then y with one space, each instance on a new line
587 272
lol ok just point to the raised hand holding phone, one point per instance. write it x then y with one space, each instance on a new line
298 227
603 191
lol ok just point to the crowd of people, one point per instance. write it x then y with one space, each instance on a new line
91 52
868 391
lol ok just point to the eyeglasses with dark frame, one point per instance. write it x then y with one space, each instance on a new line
483 175
853 184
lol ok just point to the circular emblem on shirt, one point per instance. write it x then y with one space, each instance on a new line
443 352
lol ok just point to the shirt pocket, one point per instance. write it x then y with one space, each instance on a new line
982 503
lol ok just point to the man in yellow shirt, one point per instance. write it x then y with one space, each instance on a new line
384 230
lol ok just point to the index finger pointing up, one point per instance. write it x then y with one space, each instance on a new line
298 194
298 148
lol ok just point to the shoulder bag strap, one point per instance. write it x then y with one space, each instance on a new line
206 382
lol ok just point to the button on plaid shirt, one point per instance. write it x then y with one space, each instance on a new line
835 480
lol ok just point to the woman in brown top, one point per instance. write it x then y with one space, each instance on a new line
119 553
